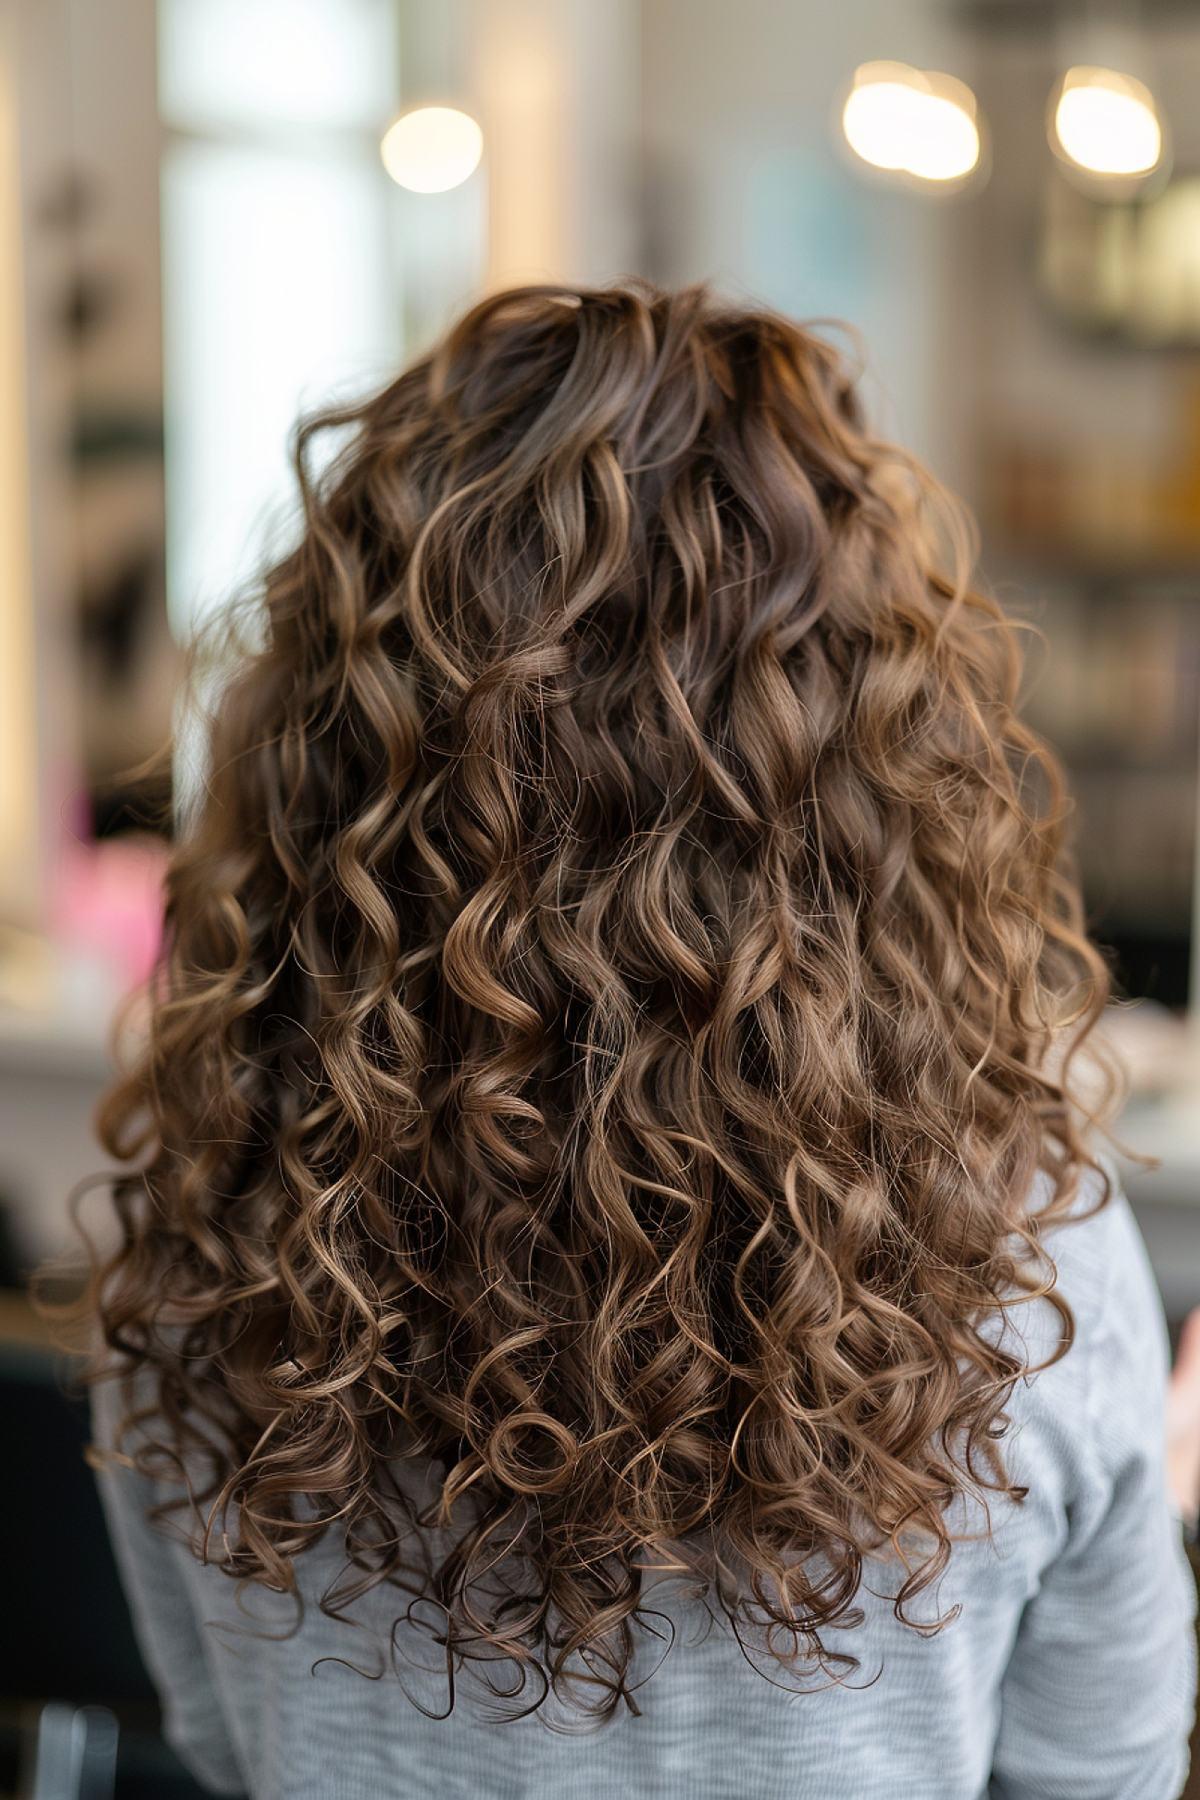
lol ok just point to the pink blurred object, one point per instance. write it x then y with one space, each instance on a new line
107 903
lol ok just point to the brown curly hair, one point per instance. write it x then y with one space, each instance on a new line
619 986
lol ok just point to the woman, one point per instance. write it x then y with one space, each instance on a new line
616 1294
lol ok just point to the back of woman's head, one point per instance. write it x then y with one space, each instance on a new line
618 990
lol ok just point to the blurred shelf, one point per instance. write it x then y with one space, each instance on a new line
20 1324
72 1045
1169 1130
1005 560
1111 764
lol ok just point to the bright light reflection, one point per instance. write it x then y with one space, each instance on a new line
431 149
912 120
1106 122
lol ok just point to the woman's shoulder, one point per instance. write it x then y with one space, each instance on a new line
1102 1268
1097 1387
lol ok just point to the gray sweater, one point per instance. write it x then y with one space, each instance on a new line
1069 1672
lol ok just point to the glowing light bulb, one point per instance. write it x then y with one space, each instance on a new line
431 149
1107 122
912 120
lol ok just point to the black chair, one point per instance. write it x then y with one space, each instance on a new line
68 1636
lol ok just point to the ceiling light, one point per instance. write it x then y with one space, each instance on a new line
913 121
1106 122
432 148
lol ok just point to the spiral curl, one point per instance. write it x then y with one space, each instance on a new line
619 985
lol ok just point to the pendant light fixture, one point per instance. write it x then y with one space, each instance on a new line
435 144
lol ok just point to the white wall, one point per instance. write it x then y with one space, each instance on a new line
748 185
38 735
556 87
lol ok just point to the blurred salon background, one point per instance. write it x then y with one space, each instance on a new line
217 213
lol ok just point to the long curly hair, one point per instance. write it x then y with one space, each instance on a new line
620 986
